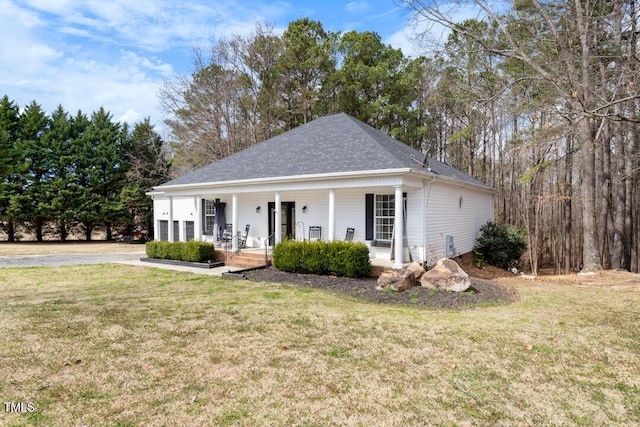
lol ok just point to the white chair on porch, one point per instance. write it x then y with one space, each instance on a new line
349 236
315 233
242 240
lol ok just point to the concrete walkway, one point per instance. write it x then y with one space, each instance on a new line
132 258
217 271
65 259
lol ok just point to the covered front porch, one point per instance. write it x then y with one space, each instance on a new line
255 220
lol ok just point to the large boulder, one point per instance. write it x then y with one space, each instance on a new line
396 280
446 275
401 280
417 270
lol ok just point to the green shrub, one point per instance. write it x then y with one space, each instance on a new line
287 256
180 251
151 249
197 251
157 249
339 258
500 245
314 257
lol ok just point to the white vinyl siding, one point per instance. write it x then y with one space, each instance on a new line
445 218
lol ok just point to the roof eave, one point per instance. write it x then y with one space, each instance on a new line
454 181
162 189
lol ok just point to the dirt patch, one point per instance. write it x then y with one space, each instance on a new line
613 279
483 292
488 272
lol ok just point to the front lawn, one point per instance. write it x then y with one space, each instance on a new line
127 346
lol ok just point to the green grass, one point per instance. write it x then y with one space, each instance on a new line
116 345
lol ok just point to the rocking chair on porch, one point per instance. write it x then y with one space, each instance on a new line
242 240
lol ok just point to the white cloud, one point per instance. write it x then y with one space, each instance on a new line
357 7
404 41
84 54
422 37
39 62
153 64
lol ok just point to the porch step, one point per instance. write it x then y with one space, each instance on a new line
246 259
376 270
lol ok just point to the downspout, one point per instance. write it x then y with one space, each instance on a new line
425 199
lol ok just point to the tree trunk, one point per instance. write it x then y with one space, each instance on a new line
11 231
591 260
62 231
619 202
632 211
88 230
39 236
568 175
603 183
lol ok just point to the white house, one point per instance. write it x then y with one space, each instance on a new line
335 173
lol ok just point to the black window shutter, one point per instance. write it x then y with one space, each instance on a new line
368 223
203 218
176 231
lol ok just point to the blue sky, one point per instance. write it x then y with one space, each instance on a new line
84 54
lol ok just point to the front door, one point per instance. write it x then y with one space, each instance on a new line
288 220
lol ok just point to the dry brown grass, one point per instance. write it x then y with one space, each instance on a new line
72 247
118 345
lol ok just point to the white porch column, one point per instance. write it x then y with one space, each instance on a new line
170 219
398 225
278 219
332 215
197 223
234 221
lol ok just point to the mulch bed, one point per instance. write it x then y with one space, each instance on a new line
484 291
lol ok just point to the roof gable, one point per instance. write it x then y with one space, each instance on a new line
330 144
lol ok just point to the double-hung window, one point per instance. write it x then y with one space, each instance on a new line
384 216
209 216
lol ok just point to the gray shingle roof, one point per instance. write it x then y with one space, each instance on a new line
329 144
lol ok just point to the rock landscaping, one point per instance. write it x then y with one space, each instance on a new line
480 291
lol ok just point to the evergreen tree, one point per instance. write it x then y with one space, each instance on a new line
101 173
10 161
62 188
375 83
32 204
305 66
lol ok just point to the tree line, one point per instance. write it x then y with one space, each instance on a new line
60 172
540 101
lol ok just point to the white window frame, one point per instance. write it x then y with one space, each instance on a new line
209 216
383 217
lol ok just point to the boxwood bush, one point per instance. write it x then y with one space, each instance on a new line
339 258
180 251
499 245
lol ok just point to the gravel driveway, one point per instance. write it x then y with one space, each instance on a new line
65 259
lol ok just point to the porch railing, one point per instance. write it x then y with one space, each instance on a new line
228 246
267 245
